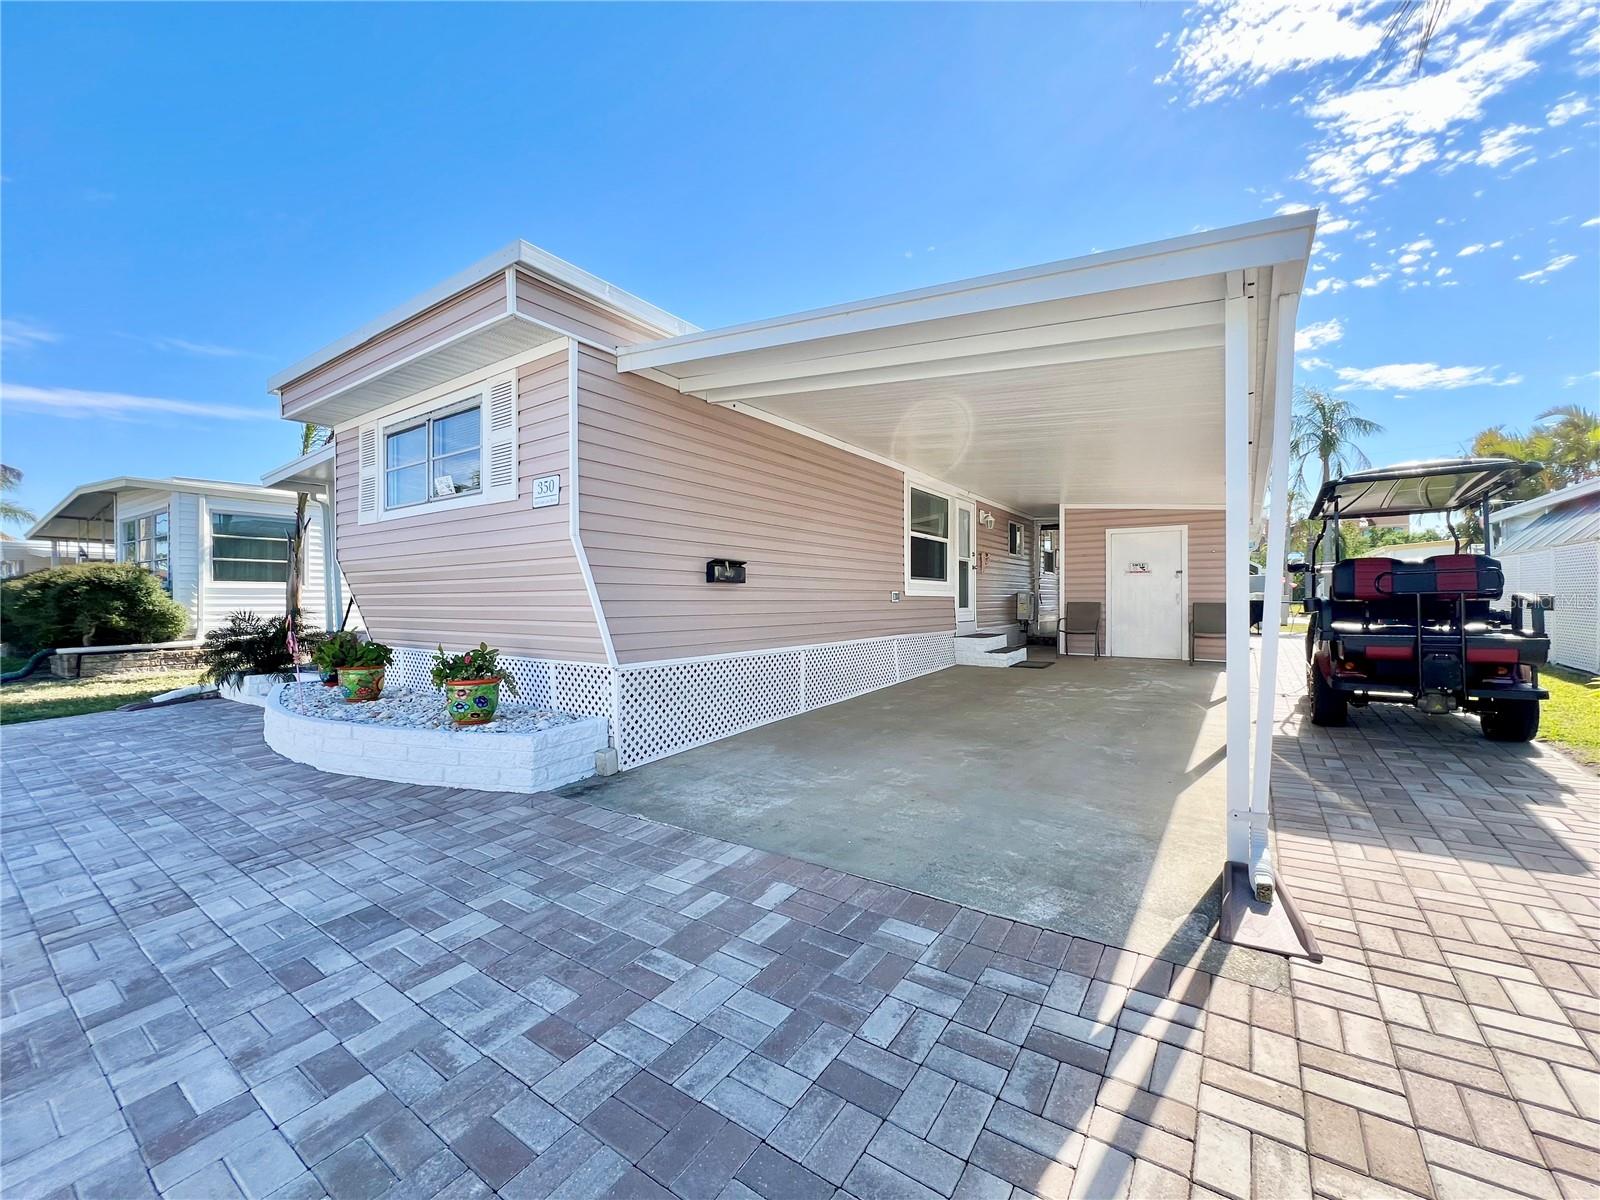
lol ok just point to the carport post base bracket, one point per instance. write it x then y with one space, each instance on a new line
1275 927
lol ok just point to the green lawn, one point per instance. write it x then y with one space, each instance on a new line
1571 717
42 697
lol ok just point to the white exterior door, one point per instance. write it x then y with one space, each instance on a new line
966 564
1145 592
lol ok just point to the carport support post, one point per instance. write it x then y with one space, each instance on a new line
1236 558
1261 871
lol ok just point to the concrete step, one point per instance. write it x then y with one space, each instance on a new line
971 648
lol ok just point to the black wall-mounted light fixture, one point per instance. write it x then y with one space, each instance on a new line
724 570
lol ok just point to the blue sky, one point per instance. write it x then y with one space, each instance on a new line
196 196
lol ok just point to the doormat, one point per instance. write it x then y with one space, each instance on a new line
1031 665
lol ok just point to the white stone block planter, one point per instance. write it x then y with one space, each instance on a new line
479 759
252 689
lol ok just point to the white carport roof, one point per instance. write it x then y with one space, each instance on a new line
1091 381
88 508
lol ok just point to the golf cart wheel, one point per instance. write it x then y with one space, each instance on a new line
1328 707
1511 720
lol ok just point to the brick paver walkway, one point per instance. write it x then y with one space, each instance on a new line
226 974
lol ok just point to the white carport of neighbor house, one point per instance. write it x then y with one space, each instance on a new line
1156 377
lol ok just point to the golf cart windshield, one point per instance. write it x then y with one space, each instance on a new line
1419 487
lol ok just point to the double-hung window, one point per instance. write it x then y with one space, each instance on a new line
928 540
246 548
434 458
145 543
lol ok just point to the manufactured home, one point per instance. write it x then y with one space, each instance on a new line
218 548
694 532
1551 546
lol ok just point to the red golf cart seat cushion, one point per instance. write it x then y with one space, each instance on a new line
1467 575
1364 579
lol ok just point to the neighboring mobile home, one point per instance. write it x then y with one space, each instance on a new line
529 456
1551 546
218 548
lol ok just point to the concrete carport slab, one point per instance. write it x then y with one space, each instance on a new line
1088 797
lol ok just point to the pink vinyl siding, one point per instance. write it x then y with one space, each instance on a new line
477 304
574 315
669 481
1004 574
1083 557
501 573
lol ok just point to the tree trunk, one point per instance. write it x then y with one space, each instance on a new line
297 557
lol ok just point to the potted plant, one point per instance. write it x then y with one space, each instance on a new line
336 649
471 684
360 668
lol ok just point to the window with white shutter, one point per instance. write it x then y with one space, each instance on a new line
459 451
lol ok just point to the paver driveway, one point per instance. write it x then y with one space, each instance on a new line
225 974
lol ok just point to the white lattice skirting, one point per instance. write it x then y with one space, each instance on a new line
661 708
1572 575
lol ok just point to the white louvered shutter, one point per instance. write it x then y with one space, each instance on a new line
501 438
367 454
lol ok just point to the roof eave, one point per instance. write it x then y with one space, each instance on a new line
1284 239
541 263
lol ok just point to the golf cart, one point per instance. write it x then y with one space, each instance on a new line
1428 633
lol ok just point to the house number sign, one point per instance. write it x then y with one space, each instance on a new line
546 491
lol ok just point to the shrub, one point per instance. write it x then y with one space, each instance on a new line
482 663
346 649
95 604
250 644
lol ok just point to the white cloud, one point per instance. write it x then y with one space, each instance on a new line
1232 47
70 402
1312 363
1575 380
1478 248
1322 333
202 349
1337 225
1326 284
19 334
1567 109
1370 281
1590 223
1496 146
1559 263
1378 119
1416 377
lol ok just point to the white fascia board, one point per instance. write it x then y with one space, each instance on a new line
541 263
1203 315
1041 356
1259 243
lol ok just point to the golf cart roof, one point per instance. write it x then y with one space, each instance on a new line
1437 485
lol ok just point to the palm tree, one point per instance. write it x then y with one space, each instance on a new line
1324 429
311 436
1564 439
13 514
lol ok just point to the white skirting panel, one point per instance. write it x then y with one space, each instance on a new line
1571 574
657 709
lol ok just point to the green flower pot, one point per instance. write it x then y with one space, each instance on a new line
360 684
471 701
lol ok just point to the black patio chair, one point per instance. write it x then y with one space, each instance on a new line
1080 619
1207 618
